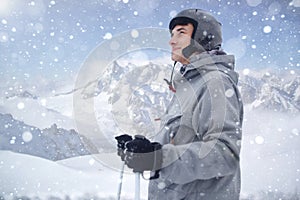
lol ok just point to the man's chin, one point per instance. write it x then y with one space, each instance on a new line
175 57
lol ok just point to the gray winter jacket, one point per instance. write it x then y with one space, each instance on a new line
201 133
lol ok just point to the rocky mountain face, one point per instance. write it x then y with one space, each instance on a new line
271 92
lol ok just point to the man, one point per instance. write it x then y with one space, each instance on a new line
196 152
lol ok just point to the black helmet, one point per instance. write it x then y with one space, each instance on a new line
207 30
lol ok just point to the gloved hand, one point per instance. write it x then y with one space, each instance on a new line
122 139
142 155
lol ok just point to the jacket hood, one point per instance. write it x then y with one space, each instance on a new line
211 61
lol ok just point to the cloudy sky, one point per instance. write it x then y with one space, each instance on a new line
45 42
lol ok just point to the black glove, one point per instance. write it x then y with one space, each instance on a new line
122 139
142 155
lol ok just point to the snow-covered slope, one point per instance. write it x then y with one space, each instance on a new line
37 111
269 162
270 152
25 175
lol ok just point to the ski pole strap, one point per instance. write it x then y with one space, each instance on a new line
155 176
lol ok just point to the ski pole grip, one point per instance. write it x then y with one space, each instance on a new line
122 139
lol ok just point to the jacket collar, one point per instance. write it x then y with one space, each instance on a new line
208 61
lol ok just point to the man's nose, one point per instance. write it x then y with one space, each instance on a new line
172 41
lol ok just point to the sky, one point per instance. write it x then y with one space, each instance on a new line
45 42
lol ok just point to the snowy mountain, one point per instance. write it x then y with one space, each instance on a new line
263 89
51 143
271 91
136 95
128 98
139 93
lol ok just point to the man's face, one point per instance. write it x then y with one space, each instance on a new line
180 38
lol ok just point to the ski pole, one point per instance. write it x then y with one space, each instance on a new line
121 181
137 186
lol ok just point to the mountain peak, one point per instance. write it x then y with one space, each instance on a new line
22 94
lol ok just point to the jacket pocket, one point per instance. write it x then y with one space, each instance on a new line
170 125
185 132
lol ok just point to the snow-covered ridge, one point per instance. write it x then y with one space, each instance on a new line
51 143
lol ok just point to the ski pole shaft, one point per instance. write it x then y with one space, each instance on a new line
121 181
137 186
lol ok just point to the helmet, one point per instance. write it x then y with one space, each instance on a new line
207 34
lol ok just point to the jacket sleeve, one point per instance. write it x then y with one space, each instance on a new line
217 119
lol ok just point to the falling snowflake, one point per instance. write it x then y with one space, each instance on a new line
27 136
107 36
259 139
229 93
134 33
21 105
267 29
